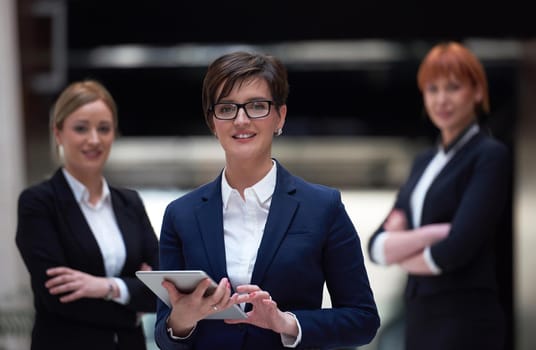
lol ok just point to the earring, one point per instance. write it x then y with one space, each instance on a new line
278 132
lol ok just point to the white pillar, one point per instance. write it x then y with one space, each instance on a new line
525 206
14 288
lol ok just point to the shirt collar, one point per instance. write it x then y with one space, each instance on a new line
262 189
461 139
81 193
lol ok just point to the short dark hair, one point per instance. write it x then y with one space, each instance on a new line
234 68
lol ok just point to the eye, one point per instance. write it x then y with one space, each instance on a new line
104 129
452 86
258 105
225 108
431 88
80 129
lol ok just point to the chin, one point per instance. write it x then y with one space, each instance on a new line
443 124
94 167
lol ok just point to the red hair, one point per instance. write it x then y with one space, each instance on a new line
454 59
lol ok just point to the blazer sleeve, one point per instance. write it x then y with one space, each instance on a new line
482 189
353 304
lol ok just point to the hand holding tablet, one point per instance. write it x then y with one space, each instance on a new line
185 281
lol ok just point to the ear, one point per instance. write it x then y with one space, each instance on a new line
282 116
57 136
478 95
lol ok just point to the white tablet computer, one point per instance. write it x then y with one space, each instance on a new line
185 281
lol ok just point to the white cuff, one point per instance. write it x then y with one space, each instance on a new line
289 341
173 336
124 295
427 254
377 252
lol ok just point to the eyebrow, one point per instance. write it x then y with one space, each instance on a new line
253 99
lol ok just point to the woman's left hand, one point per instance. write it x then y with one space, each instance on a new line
265 313
75 284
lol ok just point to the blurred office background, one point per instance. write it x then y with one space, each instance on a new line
355 115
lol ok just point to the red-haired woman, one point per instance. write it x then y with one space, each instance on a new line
443 222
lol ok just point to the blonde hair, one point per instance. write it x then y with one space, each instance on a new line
74 96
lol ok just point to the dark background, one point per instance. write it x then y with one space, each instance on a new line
167 22
327 101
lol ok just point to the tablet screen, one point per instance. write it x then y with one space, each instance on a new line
185 281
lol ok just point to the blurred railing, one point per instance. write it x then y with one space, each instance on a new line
186 162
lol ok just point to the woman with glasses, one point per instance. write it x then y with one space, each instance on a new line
82 240
442 226
270 239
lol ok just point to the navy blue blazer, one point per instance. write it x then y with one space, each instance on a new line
471 193
52 231
308 240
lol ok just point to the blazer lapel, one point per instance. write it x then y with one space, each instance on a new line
126 224
281 212
70 213
210 220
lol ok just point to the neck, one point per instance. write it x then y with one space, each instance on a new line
243 174
91 180
448 135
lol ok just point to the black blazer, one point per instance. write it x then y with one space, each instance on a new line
52 231
471 193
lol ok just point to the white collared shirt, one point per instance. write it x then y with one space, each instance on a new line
102 222
243 225
243 228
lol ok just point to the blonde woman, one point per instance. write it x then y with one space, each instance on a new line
82 239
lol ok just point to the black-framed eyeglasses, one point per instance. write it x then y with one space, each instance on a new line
253 109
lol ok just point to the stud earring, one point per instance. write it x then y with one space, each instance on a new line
278 132
60 152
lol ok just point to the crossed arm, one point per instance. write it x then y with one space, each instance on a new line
406 247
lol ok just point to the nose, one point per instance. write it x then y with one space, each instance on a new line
93 136
442 96
241 116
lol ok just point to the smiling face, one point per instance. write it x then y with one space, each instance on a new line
86 137
244 139
450 104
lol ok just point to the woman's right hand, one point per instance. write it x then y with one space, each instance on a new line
188 309
396 221
74 284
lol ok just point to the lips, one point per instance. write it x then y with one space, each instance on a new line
243 136
443 114
92 153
